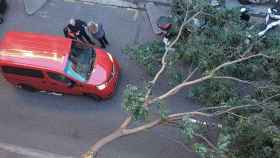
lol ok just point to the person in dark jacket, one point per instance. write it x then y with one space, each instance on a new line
76 30
96 31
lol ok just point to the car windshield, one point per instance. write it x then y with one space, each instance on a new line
80 62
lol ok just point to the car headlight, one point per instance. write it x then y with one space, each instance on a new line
110 57
101 87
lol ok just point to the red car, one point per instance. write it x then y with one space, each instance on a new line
52 63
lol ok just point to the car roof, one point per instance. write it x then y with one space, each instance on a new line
37 50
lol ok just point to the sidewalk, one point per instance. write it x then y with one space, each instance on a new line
160 2
116 3
31 6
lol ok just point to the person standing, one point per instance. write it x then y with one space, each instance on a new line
96 31
76 29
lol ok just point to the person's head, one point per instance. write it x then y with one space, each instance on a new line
72 22
92 26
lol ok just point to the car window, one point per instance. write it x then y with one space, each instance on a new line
80 62
22 71
59 78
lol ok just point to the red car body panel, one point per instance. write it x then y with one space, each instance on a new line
100 72
48 53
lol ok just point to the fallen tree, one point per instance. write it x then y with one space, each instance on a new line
220 57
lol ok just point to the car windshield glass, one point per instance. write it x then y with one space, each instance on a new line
80 62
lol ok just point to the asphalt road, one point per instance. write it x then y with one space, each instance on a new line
68 125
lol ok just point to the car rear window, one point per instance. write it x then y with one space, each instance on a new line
22 71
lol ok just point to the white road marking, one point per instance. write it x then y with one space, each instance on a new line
29 152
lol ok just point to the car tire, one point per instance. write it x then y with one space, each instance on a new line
95 97
28 88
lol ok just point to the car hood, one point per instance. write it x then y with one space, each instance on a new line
102 68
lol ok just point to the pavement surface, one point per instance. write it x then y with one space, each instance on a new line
255 10
31 6
38 123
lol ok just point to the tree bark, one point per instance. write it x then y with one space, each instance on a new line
104 141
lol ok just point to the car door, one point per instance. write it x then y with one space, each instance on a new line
60 83
25 76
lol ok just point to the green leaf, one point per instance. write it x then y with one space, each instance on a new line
200 149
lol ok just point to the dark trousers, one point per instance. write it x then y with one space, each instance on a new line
84 34
103 41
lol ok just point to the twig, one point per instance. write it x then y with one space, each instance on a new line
207 141
191 74
233 78
212 108
239 116
271 97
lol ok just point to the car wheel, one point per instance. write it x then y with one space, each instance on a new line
95 97
28 88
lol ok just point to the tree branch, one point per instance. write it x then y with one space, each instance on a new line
191 74
213 108
126 122
123 131
105 140
207 141
211 75
233 78
179 87
271 97
238 61
163 60
143 127
239 116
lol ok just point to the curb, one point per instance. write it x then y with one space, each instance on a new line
156 2
114 3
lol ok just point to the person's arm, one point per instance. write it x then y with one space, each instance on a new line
65 31
80 23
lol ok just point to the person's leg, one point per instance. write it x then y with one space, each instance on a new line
84 34
105 40
102 42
